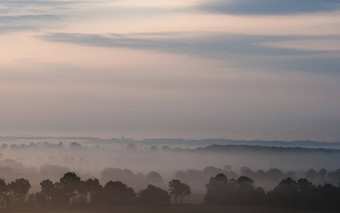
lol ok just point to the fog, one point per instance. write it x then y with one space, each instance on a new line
141 162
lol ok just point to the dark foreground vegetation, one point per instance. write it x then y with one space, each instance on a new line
167 209
287 194
71 193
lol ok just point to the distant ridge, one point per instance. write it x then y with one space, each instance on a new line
42 138
189 143
263 149
222 141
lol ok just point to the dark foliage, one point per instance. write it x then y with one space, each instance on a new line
153 195
71 191
220 190
117 193
288 193
178 190
18 190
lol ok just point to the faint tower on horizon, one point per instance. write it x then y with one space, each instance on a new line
122 138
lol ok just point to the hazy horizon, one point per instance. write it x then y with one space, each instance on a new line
128 137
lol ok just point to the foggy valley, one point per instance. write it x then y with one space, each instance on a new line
171 106
142 162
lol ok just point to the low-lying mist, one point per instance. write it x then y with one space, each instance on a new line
139 163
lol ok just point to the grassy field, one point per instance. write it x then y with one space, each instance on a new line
169 209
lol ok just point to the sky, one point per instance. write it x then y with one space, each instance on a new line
237 69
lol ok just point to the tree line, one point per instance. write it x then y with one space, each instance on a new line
289 193
71 191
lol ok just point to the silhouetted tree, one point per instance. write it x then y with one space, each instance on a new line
245 192
178 190
3 193
240 191
117 193
93 187
72 191
153 195
327 197
305 187
245 183
306 192
59 195
19 189
47 190
218 190
37 199
286 193
70 183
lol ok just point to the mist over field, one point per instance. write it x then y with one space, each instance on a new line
174 106
157 161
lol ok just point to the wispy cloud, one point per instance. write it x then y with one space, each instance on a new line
241 49
28 17
25 7
18 15
260 7
206 44
6 29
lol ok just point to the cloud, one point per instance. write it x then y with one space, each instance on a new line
215 45
25 3
246 50
318 64
7 29
30 15
25 22
269 7
32 7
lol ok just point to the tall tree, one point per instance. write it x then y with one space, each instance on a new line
153 195
93 187
19 189
47 190
70 183
178 190
3 192
117 193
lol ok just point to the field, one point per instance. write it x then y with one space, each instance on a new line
169 209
